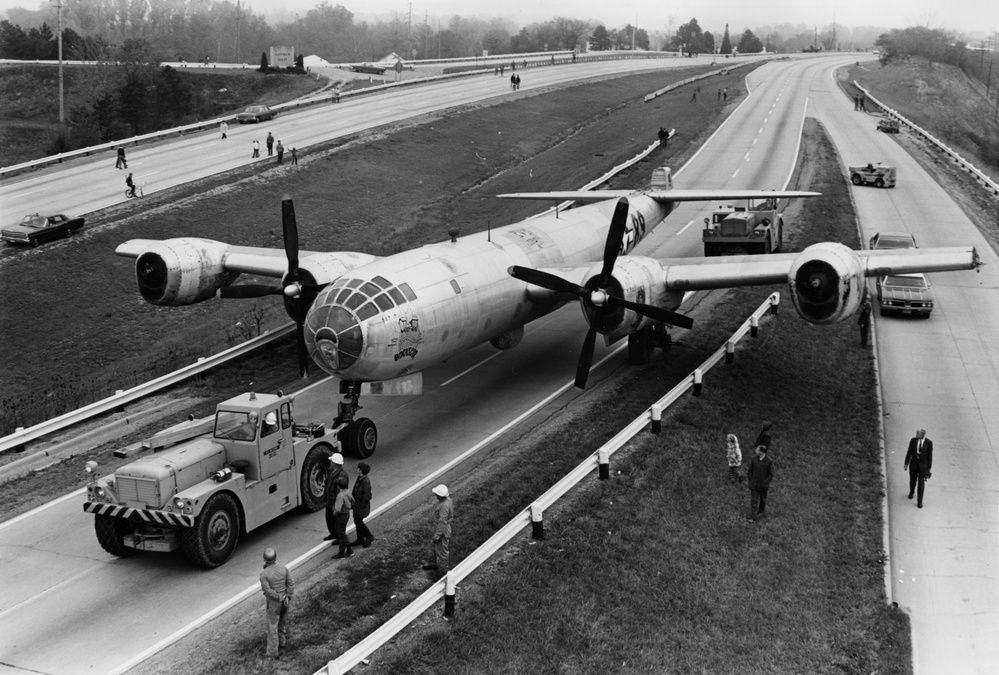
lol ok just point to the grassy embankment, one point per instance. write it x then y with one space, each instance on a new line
657 569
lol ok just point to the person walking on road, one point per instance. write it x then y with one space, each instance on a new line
278 588
342 506
734 456
332 488
919 461
362 506
120 163
224 128
280 152
441 541
761 472
270 144
256 149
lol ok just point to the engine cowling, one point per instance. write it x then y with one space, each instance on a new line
634 278
177 272
827 283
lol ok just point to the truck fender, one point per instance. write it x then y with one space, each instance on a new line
196 495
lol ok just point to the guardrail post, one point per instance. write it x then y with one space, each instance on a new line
20 447
332 668
754 326
120 407
729 351
449 591
698 377
774 304
657 418
537 522
603 457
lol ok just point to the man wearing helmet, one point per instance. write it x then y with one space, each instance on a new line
443 514
270 424
332 488
275 580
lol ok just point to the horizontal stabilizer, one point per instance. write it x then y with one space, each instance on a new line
659 195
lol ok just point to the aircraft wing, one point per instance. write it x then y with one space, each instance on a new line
265 262
659 195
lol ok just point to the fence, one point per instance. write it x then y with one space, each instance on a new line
533 515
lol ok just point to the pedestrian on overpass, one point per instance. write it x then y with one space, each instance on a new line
256 149
441 541
270 144
280 152
278 588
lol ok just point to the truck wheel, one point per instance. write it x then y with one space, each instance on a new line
768 247
711 250
640 347
856 179
879 183
313 478
363 438
110 535
213 538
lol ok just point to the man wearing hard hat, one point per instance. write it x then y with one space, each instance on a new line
332 488
275 580
443 514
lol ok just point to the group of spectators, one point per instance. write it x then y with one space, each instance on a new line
759 472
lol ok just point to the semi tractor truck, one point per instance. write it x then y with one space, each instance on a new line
215 480
744 230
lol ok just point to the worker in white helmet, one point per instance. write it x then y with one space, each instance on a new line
439 545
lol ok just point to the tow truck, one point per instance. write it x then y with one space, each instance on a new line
879 175
750 229
213 480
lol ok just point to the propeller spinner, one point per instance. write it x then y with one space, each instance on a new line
600 298
298 293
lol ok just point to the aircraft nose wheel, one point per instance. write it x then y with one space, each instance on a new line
361 438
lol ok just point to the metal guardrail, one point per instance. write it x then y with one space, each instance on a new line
971 168
22 435
676 85
445 588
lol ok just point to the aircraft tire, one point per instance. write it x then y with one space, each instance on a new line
313 479
640 347
212 540
363 438
111 533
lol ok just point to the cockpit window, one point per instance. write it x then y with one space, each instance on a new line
367 311
343 296
408 292
384 302
382 281
354 283
370 289
396 295
355 301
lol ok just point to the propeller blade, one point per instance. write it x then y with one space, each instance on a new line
655 313
303 351
243 291
546 280
290 228
585 358
615 235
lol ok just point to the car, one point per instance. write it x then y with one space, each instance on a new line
36 228
256 113
883 240
888 125
905 294
880 175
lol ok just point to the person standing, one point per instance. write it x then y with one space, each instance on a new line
294 156
224 128
332 488
344 502
864 319
280 152
919 461
764 436
518 83
120 163
278 588
336 94
856 102
270 144
734 455
441 541
725 94
256 149
513 82
761 472
362 506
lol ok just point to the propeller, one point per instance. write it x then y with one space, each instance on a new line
298 296
599 298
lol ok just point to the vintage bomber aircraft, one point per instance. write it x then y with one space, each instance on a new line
380 321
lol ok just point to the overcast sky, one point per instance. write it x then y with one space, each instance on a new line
979 17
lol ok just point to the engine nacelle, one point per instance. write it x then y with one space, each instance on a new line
827 283
634 278
184 271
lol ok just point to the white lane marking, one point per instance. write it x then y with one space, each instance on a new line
52 589
39 509
465 372
694 220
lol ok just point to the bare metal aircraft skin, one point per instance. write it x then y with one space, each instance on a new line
370 319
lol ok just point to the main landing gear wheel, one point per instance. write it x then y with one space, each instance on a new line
362 438
111 533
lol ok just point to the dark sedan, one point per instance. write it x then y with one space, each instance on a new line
36 228
256 113
905 294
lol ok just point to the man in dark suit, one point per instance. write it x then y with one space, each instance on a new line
919 461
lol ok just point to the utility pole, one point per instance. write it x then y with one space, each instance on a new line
237 32
62 105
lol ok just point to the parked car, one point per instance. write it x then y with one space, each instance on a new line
905 294
256 113
36 228
878 175
883 240
888 125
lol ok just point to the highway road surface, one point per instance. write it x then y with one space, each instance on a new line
68 607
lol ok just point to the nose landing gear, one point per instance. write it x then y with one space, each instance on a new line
358 436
